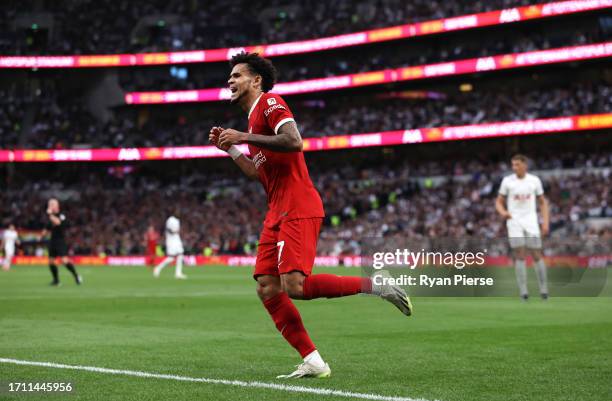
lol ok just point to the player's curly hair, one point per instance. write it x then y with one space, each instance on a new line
259 66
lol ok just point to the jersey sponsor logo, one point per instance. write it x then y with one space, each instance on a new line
259 159
271 101
271 109
521 197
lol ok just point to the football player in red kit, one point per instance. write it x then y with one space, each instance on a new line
151 237
288 241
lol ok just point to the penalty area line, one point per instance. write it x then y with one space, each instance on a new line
225 382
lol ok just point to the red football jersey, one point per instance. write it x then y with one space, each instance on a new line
284 175
152 237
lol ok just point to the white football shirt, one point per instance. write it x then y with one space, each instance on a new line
10 237
173 226
521 196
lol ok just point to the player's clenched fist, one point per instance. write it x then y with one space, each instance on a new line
231 137
213 137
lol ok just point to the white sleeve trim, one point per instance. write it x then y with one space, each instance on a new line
280 123
254 105
503 188
539 187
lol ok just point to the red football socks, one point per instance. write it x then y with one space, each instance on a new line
287 318
289 322
332 286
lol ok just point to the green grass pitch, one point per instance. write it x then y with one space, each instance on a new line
213 326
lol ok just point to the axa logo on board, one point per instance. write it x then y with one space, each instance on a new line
129 154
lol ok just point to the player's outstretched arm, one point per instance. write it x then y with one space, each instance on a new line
244 163
287 139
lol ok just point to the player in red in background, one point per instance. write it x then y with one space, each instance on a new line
288 242
151 237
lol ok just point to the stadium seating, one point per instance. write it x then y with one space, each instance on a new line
57 124
87 28
412 199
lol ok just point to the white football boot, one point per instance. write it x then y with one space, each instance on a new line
392 293
307 369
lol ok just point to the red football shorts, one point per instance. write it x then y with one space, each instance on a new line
292 246
151 249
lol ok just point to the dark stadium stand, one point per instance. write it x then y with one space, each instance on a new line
85 27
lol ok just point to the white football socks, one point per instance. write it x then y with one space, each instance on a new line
521 275
179 265
314 358
163 264
540 268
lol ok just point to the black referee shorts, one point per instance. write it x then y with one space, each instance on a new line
57 249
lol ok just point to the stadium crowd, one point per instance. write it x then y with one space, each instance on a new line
11 118
372 58
85 26
464 209
108 215
360 114
58 124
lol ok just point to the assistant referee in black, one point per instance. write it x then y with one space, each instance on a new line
58 249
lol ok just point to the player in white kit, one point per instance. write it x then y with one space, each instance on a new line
516 203
9 239
174 248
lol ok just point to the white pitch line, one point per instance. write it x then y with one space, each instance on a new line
238 383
